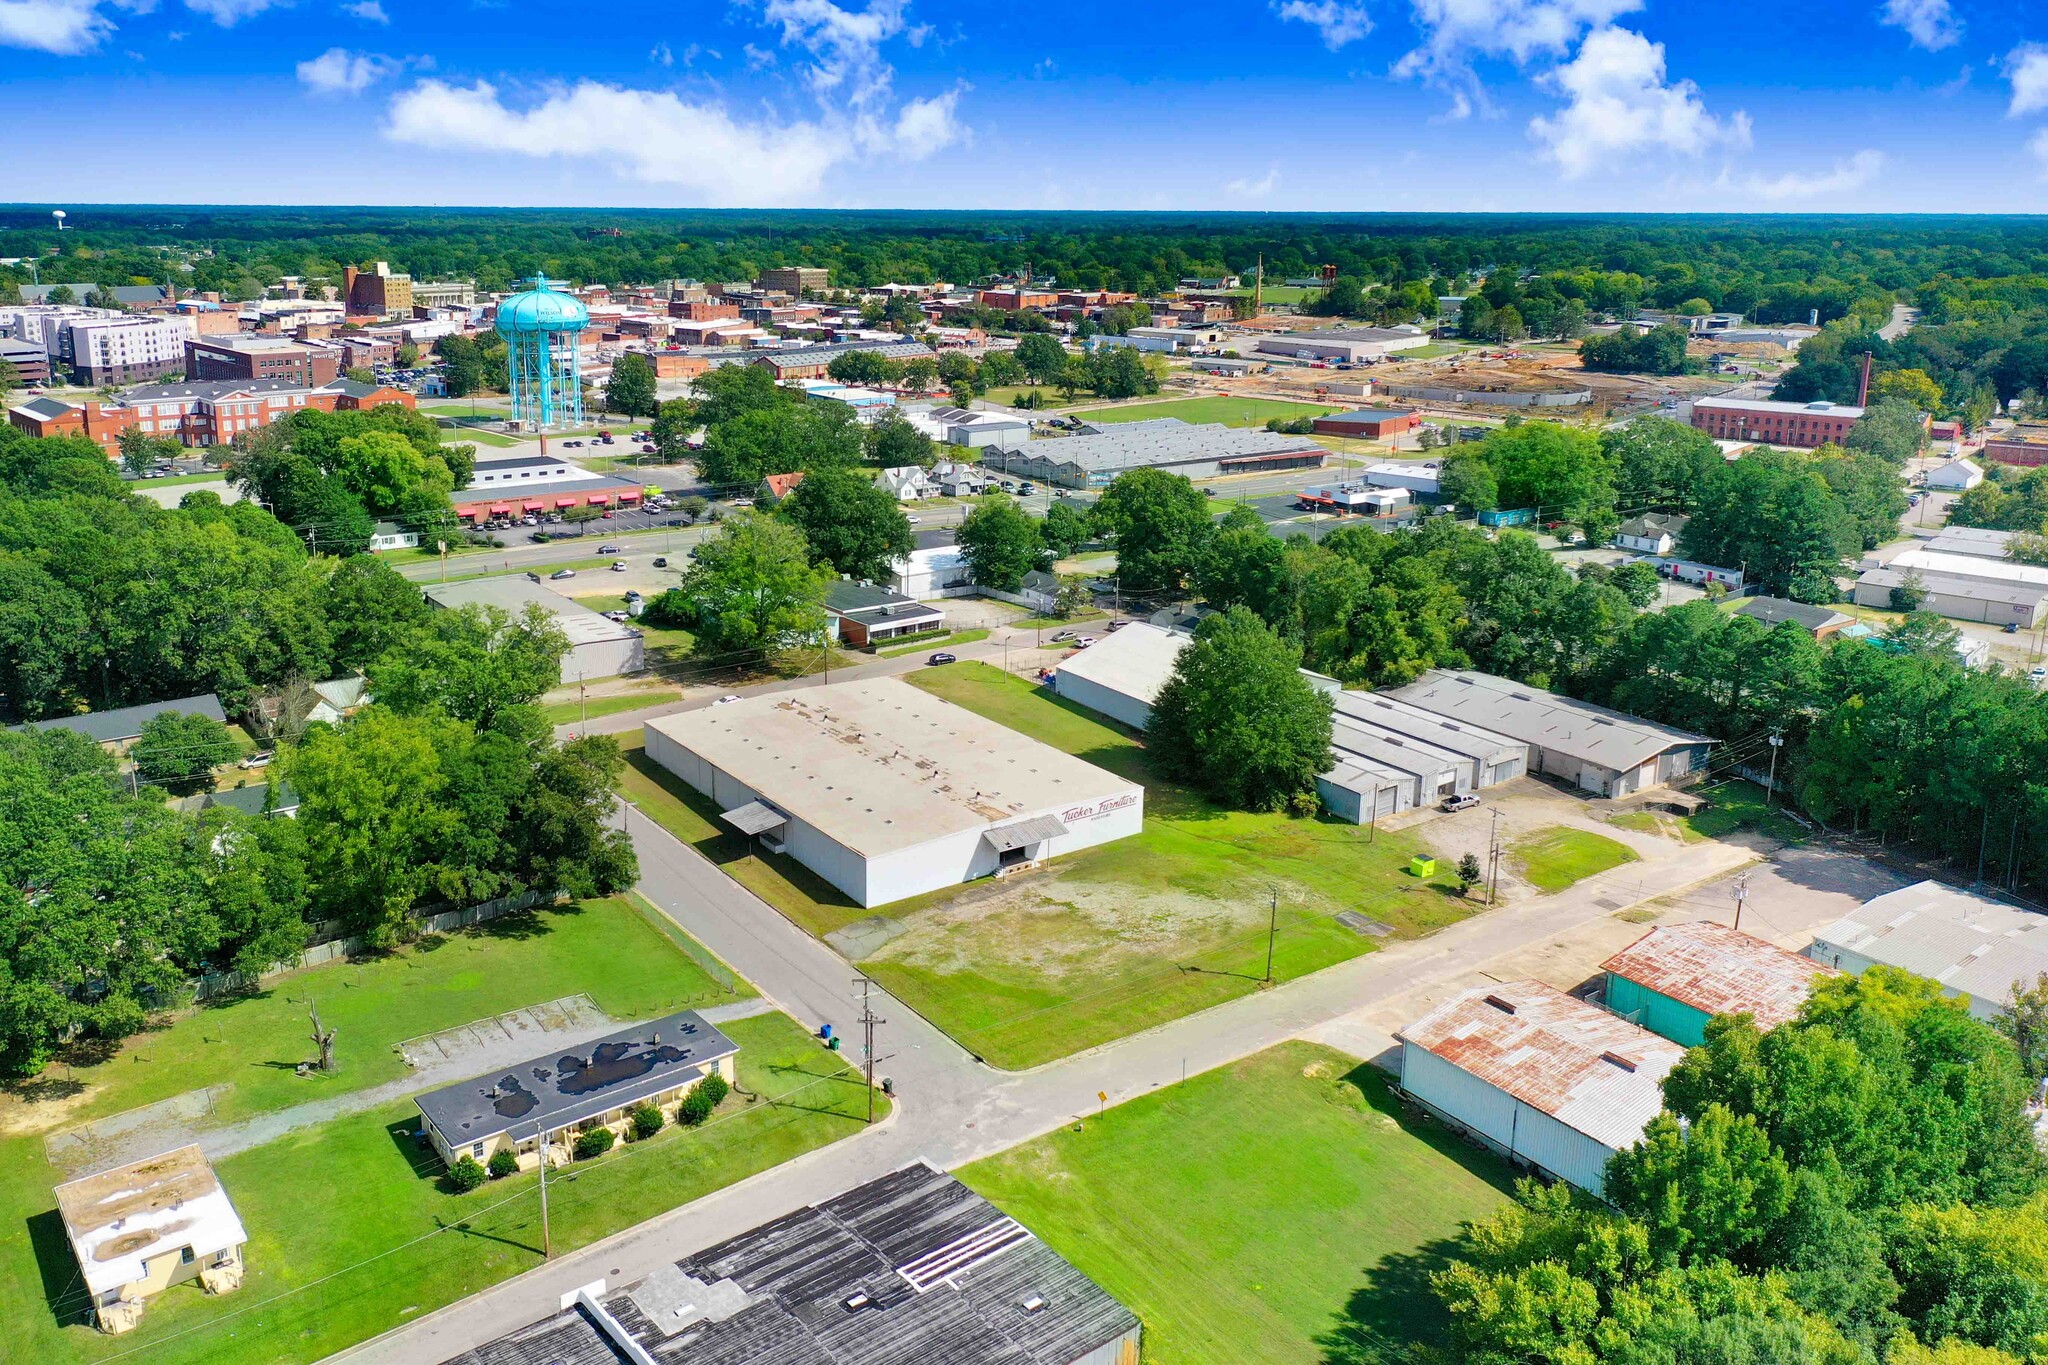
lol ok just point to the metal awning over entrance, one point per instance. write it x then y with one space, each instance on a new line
754 818
1023 833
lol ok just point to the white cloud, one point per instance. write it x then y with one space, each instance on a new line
757 57
2038 145
1244 187
845 44
1457 31
1843 177
337 71
658 137
1619 104
369 11
228 13
662 55
65 27
2026 66
1339 22
1931 24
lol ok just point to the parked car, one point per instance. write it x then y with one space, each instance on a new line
563 573
2012 627
2038 675
742 502
613 615
632 594
728 697
912 520
608 549
618 566
661 561
1117 625
1060 635
261 759
1462 801
941 658
1084 641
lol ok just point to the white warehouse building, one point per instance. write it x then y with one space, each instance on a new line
1976 947
1546 1079
886 791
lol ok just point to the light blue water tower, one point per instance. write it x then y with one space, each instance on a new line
544 357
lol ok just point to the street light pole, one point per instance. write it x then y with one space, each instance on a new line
1272 929
1771 785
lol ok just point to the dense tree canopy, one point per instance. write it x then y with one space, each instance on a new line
1238 719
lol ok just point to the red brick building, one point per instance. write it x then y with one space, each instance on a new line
1372 424
2022 447
1804 425
248 356
1014 300
201 414
702 310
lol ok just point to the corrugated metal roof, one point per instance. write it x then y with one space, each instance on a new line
1970 944
1581 730
1590 1070
1035 829
1719 970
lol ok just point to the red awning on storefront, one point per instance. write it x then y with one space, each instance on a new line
568 502
503 509
535 504
629 495
600 499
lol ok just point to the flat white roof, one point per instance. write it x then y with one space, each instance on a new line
1977 566
121 1218
1820 409
581 624
1135 661
879 765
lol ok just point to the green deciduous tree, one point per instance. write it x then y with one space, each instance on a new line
853 527
1238 719
893 443
630 390
1890 429
785 439
753 587
475 663
1042 358
1001 543
1160 525
179 751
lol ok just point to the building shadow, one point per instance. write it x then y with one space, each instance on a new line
64 1291
419 1156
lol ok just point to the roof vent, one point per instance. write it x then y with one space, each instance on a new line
1616 1059
1032 1304
857 1300
1505 1006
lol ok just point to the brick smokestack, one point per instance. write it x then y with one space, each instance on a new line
1863 386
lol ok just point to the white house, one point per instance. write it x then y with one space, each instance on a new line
1957 476
1654 533
907 483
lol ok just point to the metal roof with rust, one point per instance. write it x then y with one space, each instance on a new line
1590 1070
1720 971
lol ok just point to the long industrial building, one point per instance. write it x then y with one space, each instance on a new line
1606 753
1198 451
1547 1080
1963 574
886 791
912 1268
1977 948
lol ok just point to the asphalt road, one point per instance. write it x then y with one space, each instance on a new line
953 1110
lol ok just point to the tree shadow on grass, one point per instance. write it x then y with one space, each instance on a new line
64 1291
518 927
1394 1318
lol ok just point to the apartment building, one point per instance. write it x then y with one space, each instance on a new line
121 349
376 292
198 413
247 355
793 279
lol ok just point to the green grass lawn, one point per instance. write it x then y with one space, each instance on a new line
179 480
1281 1210
1059 622
571 712
1552 859
1739 805
631 961
1231 412
351 1232
951 639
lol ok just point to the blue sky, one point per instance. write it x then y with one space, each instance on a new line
1660 105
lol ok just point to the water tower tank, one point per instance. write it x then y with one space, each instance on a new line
539 310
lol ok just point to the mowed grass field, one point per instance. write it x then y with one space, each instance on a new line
1282 1210
1231 412
321 1200
1553 859
1108 941
351 1231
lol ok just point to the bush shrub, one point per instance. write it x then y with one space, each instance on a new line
647 1122
1304 805
465 1175
714 1088
503 1163
595 1142
695 1108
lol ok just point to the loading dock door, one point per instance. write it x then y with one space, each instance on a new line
1386 800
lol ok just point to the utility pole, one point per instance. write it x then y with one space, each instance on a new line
1741 897
1272 931
1983 836
547 1242
1493 861
867 1046
1771 786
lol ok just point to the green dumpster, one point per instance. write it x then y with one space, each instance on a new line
1419 866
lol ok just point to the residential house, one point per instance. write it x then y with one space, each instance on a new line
908 483
138 1229
1654 533
863 614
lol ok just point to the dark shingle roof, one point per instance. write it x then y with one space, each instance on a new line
563 1088
255 799
1772 610
847 597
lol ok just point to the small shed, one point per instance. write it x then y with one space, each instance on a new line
1676 977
